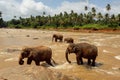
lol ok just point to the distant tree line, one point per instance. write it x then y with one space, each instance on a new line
65 20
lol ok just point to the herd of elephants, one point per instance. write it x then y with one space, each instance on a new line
43 53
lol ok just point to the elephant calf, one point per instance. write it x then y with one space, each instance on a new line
82 50
57 37
68 40
37 54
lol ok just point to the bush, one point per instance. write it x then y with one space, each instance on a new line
113 25
76 27
94 26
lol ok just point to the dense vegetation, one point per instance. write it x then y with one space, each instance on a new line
87 20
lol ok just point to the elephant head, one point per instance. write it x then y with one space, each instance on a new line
72 48
54 35
24 54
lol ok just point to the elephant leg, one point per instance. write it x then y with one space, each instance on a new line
29 60
78 60
55 39
93 62
60 40
37 62
49 62
81 60
89 61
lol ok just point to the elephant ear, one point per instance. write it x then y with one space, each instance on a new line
26 52
75 49
31 53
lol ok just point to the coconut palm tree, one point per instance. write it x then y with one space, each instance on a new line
93 11
113 17
108 7
99 16
106 18
86 8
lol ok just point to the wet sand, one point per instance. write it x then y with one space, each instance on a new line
108 60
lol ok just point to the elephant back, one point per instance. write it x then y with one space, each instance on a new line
42 52
88 50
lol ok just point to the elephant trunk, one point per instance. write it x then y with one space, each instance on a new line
67 56
21 62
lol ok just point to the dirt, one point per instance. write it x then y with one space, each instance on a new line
107 62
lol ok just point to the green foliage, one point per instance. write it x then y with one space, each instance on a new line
87 20
3 24
94 26
113 25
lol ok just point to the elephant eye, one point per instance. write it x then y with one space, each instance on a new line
24 53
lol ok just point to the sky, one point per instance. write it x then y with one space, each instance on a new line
25 8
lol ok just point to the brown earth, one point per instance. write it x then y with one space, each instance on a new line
108 60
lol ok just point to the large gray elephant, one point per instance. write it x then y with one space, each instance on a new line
82 50
37 54
57 37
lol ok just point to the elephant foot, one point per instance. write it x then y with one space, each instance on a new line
37 64
21 62
89 62
81 63
93 64
78 63
49 62
52 65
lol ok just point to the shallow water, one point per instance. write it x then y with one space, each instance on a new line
107 62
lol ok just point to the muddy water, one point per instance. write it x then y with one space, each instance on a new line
108 60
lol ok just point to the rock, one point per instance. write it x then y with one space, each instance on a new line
35 38
27 35
31 72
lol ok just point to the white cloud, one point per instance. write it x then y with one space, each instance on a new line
115 7
11 8
8 8
26 8
30 7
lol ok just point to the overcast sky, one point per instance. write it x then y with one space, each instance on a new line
25 8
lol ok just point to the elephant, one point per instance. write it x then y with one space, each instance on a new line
82 50
57 37
69 40
37 54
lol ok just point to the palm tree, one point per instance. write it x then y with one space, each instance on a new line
99 16
93 11
44 13
113 17
108 7
86 8
106 18
72 13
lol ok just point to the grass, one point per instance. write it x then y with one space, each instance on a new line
86 26
94 26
